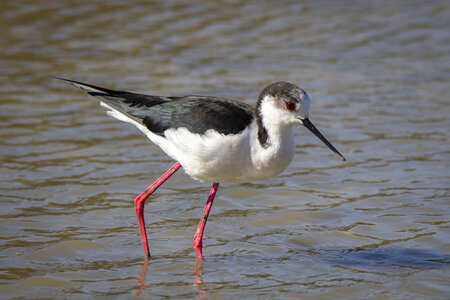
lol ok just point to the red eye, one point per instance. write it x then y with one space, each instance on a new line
290 105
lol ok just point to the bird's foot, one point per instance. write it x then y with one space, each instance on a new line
198 245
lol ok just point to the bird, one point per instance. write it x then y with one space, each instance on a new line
214 139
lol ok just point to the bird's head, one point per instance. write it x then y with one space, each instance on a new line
283 104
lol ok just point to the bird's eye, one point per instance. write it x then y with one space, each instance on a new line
290 105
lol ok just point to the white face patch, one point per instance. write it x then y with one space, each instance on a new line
274 113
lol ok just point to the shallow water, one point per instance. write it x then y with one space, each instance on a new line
373 227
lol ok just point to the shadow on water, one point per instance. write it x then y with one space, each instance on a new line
385 258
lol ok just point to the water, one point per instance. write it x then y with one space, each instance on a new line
373 227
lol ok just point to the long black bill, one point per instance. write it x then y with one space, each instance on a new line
307 123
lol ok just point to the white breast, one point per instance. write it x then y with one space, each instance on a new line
214 157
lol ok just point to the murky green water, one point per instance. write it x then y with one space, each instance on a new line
374 227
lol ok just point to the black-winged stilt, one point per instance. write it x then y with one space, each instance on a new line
214 139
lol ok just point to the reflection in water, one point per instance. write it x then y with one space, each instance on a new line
142 278
198 282
374 263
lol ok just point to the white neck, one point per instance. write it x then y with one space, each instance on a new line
278 150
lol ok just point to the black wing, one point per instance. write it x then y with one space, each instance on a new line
157 113
198 114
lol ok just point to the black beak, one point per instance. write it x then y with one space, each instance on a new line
307 123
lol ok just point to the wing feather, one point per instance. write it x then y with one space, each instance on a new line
195 113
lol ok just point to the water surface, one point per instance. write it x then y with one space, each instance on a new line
373 227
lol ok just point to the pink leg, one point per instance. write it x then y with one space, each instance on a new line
201 226
139 203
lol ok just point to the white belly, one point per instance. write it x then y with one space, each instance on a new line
215 157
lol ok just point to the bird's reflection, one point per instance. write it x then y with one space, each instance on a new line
141 280
198 280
